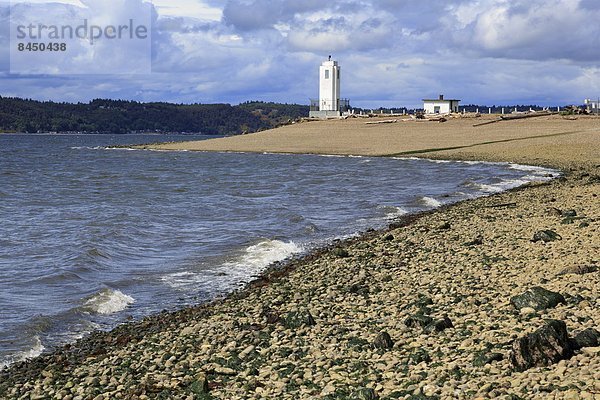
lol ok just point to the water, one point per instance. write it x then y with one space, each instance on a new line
90 237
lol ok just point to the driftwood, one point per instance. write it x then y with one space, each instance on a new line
436 119
387 121
527 115
424 118
511 117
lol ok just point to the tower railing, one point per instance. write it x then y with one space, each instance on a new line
314 105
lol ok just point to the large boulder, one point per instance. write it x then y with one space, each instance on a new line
418 320
587 338
439 325
545 236
383 341
537 298
546 346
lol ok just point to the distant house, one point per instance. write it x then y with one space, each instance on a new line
440 106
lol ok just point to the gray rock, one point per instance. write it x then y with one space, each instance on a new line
340 252
424 300
389 237
439 325
546 346
383 341
444 226
579 270
365 394
484 357
537 298
360 288
587 338
574 300
418 321
200 385
557 212
546 236
419 356
477 240
270 315
298 319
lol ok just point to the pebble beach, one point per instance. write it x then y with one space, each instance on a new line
428 308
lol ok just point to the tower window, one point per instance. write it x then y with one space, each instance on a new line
326 74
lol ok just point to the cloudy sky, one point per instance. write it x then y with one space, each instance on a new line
392 52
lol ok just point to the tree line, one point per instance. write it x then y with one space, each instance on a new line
123 116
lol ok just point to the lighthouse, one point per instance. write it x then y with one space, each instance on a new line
329 86
329 103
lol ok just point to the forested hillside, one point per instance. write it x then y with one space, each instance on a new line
120 116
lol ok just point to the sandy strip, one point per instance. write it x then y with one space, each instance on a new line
311 330
543 140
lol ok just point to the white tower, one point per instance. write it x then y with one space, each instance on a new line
329 86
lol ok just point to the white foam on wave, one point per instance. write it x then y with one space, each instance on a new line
392 212
258 256
253 260
88 148
430 202
122 148
528 168
180 279
332 155
439 161
506 184
37 349
108 301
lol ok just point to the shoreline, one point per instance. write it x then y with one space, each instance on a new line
239 345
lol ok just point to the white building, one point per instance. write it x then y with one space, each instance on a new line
329 103
440 106
592 106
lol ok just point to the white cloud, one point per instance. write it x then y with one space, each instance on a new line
191 8
97 37
535 30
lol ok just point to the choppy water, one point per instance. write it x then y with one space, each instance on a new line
90 237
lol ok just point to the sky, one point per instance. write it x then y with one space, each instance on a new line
392 53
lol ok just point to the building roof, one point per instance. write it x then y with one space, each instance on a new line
440 101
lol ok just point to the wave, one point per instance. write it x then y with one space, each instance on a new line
107 301
333 155
392 212
498 187
264 253
528 168
519 167
253 260
430 202
89 148
37 349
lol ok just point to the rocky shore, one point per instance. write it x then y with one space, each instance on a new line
497 297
